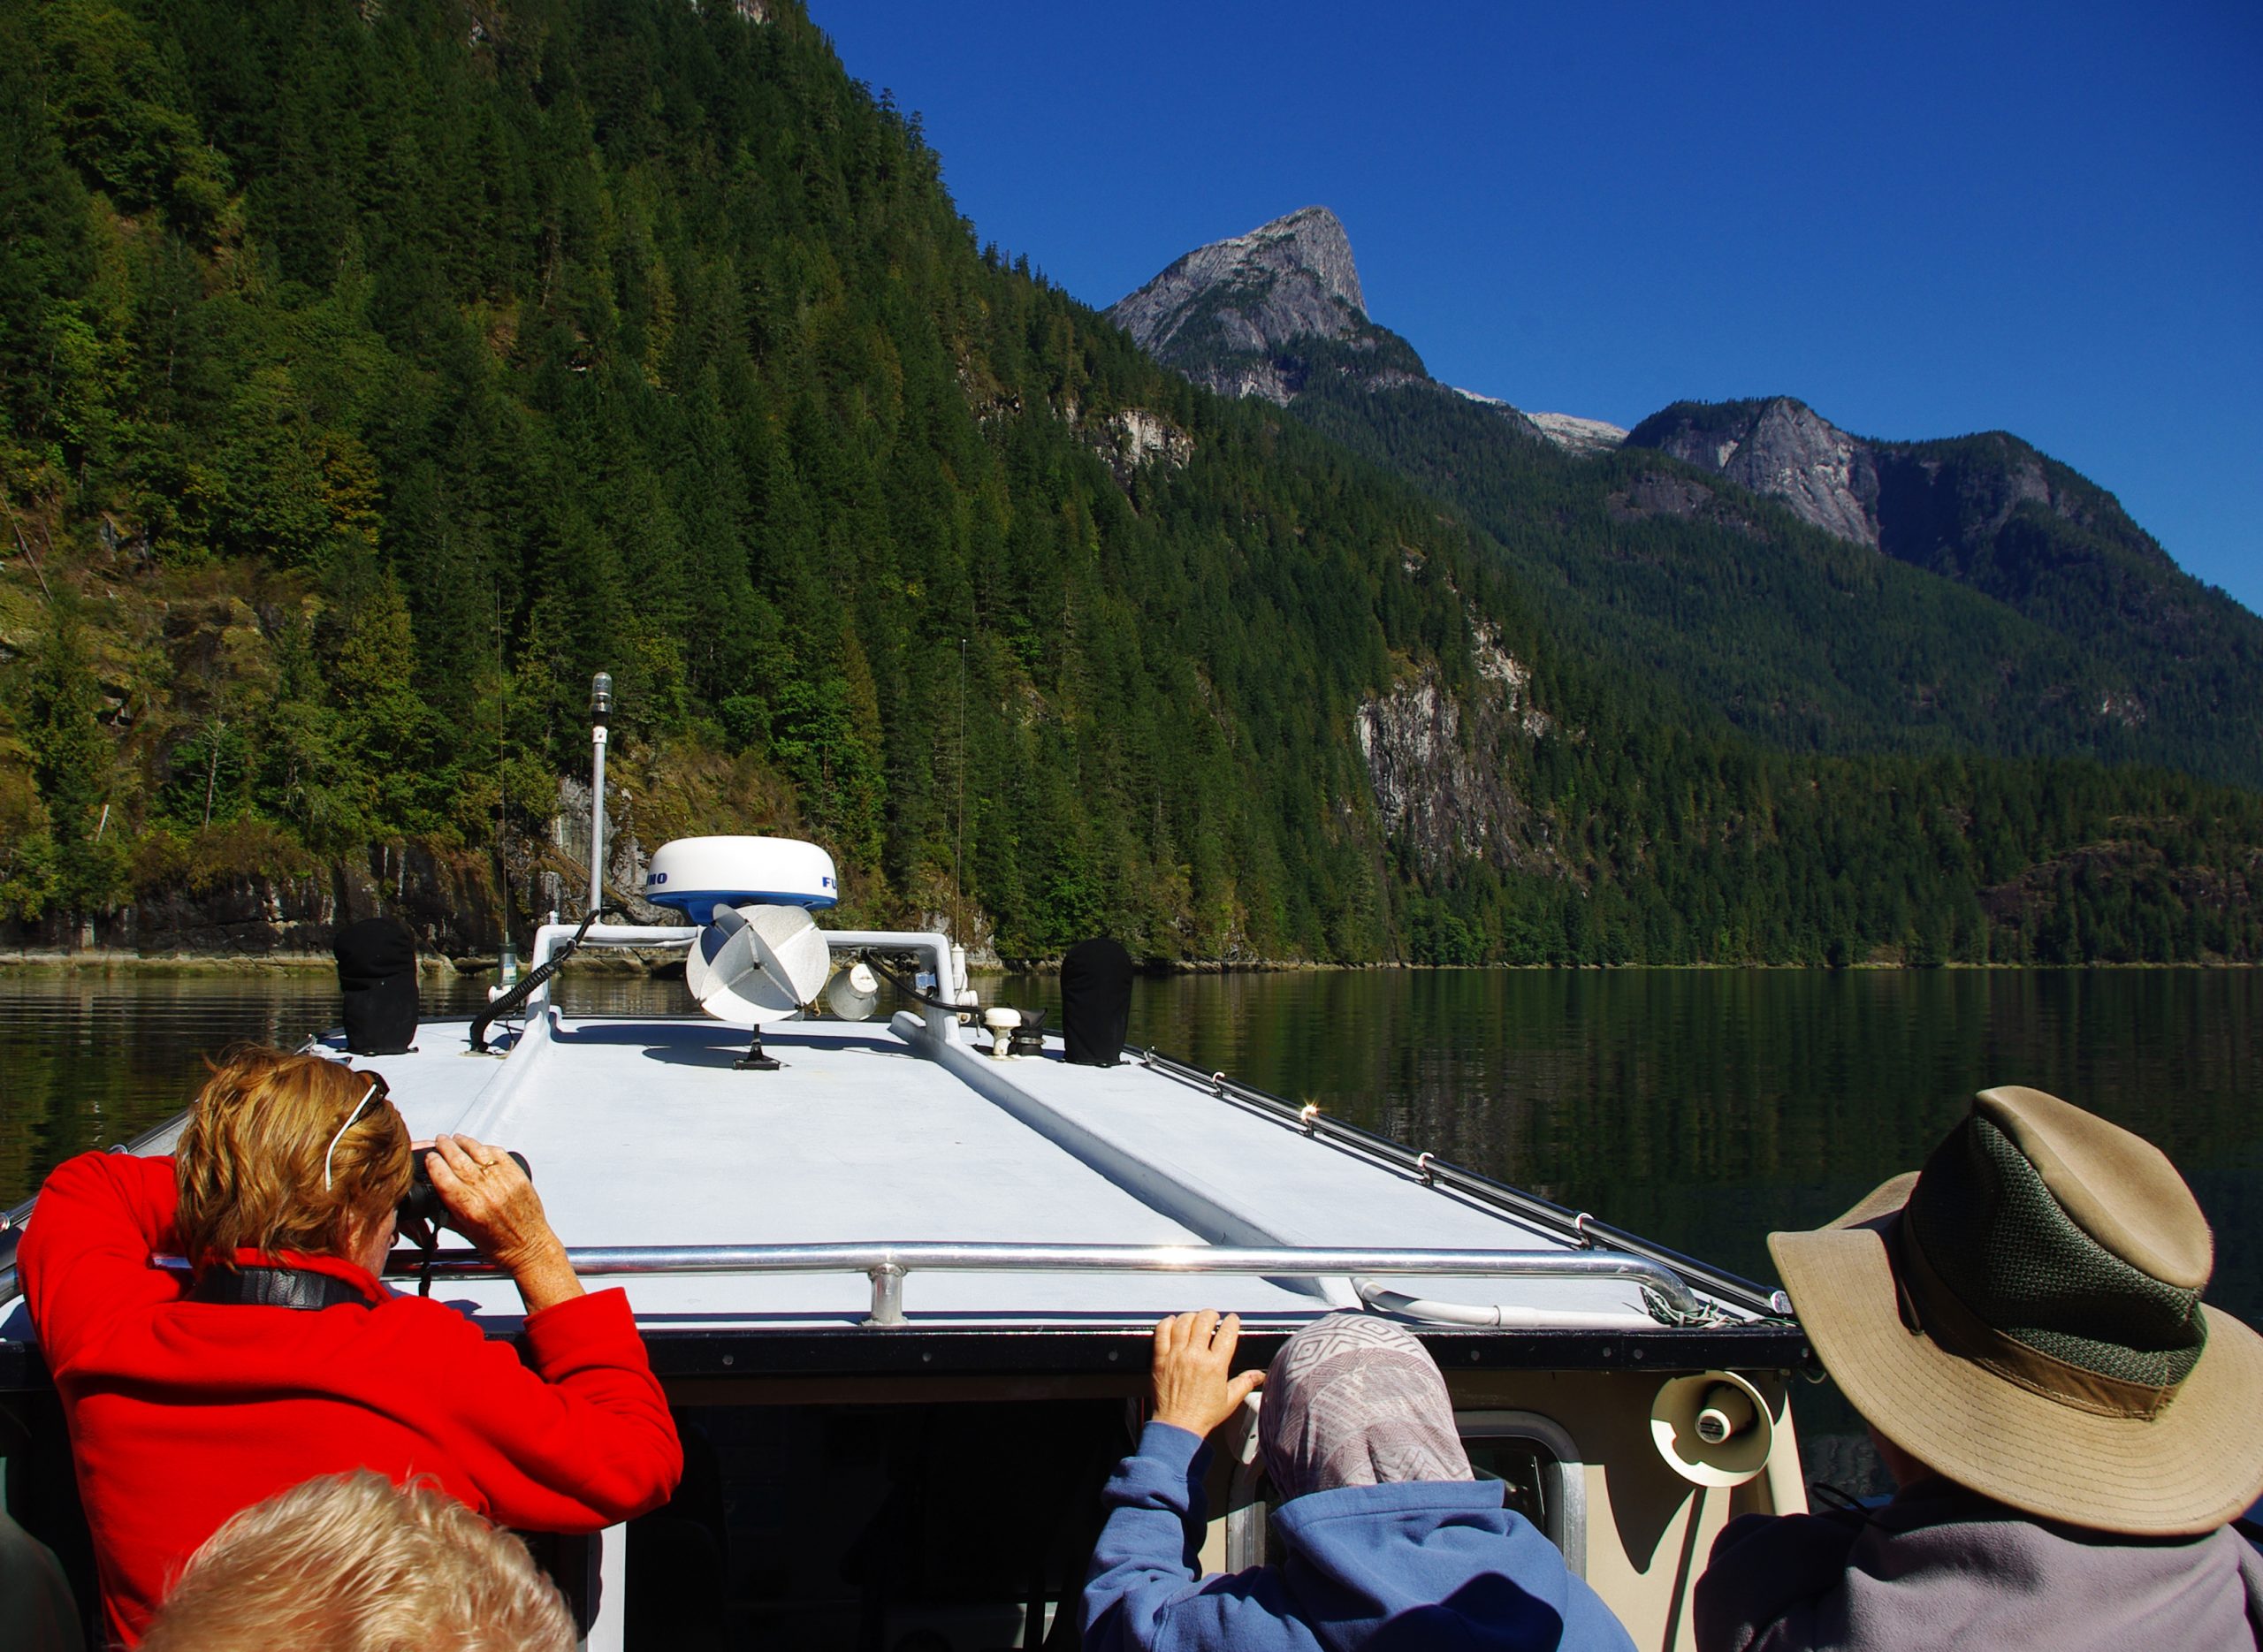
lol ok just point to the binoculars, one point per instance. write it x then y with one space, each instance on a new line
422 1202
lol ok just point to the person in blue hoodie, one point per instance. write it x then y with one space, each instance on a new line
1392 1543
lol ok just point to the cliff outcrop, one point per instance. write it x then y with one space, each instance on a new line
445 897
1439 763
1932 503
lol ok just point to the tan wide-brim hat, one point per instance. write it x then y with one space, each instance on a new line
2192 1466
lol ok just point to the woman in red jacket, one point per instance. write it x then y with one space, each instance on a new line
286 1357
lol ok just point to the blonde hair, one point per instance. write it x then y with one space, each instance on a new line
352 1562
250 1162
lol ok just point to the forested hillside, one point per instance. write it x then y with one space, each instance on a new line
370 374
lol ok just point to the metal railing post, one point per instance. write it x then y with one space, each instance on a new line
887 1296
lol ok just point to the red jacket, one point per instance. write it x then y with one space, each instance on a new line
183 1412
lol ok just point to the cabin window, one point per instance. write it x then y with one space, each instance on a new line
1540 1470
959 1527
1534 1458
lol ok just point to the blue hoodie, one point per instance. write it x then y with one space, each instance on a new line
1421 1564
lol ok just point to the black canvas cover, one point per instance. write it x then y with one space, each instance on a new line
1096 1001
377 977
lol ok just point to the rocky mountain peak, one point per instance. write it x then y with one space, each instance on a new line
1290 278
1780 447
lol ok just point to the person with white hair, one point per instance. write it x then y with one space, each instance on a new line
1393 1541
353 1563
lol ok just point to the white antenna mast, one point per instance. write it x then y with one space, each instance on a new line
600 712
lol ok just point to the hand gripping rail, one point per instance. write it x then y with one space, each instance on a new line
887 1265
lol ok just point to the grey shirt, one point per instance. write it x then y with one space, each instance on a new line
1941 1566
36 1611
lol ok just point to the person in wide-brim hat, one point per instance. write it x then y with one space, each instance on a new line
2020 1323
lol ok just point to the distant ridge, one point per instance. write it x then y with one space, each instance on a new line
2039 617
1990 512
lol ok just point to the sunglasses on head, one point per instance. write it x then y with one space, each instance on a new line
377 1092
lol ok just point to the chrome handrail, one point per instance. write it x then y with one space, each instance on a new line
887 1264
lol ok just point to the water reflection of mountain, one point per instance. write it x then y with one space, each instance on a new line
1708 1106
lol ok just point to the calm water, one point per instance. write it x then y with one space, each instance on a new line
1702 1108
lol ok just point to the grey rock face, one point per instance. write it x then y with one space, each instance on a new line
1435 790
1928 503
1135 439
1290 278
1261 314
1434 760
1575 434
1786 450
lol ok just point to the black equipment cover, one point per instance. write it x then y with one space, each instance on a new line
376 977
1096 1001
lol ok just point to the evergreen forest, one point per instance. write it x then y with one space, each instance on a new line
372 374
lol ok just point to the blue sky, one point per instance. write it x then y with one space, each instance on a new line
1923 220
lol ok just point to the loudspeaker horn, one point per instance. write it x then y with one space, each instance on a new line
1713 1428
855 993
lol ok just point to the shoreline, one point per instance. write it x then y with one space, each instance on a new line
106 962
199 964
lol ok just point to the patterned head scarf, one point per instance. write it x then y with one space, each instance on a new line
1353 1400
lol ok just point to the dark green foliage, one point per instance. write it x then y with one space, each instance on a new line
1704 850
71 765
1991 513
395 367
641 339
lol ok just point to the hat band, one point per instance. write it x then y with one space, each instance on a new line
1961 1332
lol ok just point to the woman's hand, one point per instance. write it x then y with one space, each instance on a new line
491 1202
1194 1353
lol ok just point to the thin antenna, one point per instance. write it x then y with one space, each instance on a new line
958 856
506 958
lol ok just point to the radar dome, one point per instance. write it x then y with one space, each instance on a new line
695 875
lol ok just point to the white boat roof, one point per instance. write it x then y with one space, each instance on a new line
643 1133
